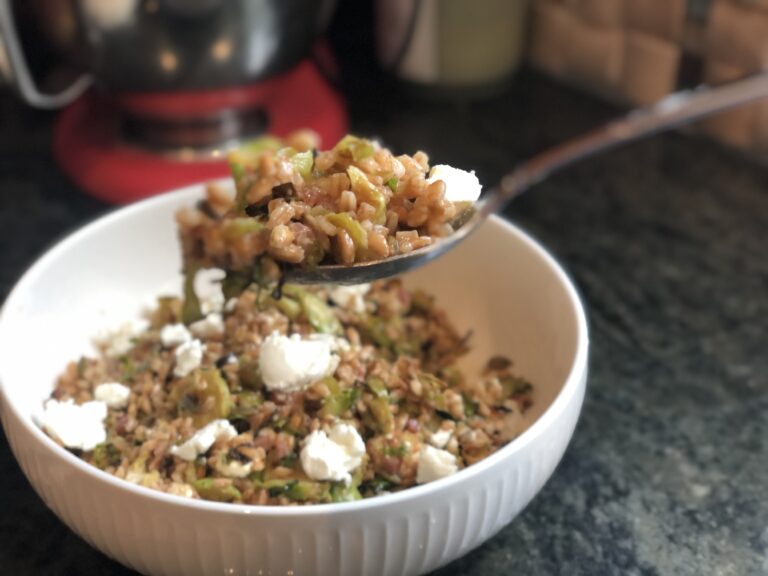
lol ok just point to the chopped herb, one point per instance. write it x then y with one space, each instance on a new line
285 190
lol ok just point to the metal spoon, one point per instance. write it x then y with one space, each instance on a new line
677 109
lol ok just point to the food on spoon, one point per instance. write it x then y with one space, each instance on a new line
294 205
326 395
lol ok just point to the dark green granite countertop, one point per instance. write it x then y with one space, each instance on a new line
666 240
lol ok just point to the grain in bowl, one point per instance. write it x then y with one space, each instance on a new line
326 394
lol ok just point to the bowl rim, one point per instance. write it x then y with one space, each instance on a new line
550 416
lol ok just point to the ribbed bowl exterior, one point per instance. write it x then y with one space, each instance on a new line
406 536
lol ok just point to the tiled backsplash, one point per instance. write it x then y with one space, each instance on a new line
630 51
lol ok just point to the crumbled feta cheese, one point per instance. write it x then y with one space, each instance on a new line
119 342
208 289
230 305
76 426
435 464
179 489
174 334
334 455
134 477
189 356
203 439
351 297
113 394
209 327
440 438
460 185
234 469
289 363
337 343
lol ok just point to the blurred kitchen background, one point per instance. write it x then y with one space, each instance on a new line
148 94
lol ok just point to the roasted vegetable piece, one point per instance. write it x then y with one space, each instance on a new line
239 227
106 454
289 307
339 400
377 485
249 374
366 191
203 396
354 229
514 385
377 386
315 310
241 162
302 161
358 148
245 404
234 283
343 492
217 489
382 415
302 490
190 310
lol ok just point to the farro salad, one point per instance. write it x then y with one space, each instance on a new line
238 392
297 206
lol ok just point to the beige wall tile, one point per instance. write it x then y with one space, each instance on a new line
738 35
736 127
595 55
660 18
650 68
550 36
603 13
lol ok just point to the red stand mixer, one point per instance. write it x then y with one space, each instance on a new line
173 84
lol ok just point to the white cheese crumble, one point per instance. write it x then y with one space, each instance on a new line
337 343
230 305
203 439
119 342
351 297
289 364
76 426
440 438
180 489
208 289
189 356
234 469
209 327
460 185
174 334
434 464
113 394
334 455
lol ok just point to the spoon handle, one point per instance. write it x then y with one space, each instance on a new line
674 110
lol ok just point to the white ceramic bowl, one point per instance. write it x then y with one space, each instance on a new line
500 283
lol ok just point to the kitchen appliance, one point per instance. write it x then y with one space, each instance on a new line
170 85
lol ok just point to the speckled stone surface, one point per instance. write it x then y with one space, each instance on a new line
666 240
